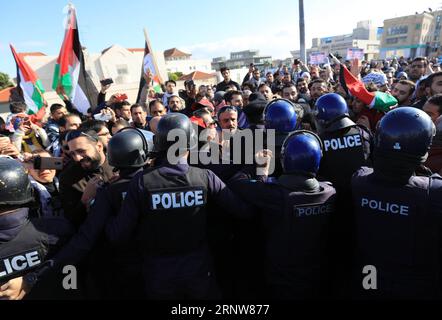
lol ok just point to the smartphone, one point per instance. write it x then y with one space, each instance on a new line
103 117
48 163
106 82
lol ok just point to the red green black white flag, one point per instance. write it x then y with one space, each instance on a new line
29 83
70 76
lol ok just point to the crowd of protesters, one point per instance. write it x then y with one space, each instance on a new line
70 192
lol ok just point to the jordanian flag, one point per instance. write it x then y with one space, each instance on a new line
149 67
30 85
70 76
377 100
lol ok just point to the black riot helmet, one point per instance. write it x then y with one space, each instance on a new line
130 148
15 187
173 128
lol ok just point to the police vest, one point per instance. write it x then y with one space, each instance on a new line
397 231
174 220
297 242
343 155
117 192
22 254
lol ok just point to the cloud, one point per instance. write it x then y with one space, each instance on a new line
277 43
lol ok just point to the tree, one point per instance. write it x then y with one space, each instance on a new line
175 76
5 82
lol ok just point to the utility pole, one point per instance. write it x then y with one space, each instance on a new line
302 32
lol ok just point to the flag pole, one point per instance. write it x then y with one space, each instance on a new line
154 61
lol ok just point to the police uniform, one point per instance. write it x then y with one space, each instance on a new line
24 243
398 232
398 213
128 152
295 224
25 246
22 247
347 147
345 151
166 206
105 262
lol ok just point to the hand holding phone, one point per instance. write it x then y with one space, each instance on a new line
107 82
46 163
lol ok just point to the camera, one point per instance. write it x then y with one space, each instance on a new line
106 82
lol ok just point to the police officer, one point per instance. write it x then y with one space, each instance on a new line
398 213
280 116
128 153
296 209
347 147
24 244
166 207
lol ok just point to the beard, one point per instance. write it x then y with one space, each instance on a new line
91 163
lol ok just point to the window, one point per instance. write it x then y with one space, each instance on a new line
122 69
418 26
397 30
396 40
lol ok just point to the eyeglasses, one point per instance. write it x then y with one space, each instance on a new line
75 134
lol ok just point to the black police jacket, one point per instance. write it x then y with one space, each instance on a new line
296 226
345 151
398 231
23 254
166 207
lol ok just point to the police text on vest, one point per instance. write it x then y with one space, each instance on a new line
343 143
308 211
19 263
386 207
177 200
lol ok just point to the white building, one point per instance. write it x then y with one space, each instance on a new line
121 64
364 36
178 61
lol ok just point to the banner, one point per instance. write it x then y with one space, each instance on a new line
355 53
318 58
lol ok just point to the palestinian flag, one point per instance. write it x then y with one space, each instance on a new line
31 87
70 76
149 67
377 100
